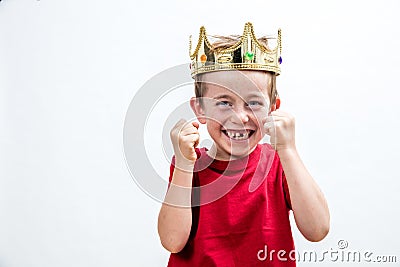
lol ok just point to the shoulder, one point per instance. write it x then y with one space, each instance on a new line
267 152
200 151
267 160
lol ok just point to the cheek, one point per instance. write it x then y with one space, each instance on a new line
213 128
214 124
217 116
260 117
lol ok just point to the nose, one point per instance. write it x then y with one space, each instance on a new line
240 116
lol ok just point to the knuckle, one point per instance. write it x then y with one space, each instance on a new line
171 134
174 132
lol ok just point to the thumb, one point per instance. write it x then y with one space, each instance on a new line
195 124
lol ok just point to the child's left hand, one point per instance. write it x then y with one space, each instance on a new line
280 126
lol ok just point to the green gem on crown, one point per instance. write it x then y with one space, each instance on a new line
249 55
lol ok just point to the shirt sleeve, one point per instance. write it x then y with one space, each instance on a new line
171 170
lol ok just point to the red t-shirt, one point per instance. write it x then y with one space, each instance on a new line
243 219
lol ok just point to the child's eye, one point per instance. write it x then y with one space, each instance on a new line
254 103
223 103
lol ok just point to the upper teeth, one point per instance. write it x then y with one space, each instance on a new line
237 135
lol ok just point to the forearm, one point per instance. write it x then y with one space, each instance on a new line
309 205
175 217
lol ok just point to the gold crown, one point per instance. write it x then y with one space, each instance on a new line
247 54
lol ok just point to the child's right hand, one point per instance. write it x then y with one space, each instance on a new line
185 137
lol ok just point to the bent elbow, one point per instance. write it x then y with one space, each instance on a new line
173 246
173 240
318 234
173 237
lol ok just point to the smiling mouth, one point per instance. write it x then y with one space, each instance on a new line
238 134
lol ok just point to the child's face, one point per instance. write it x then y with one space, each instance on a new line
235 106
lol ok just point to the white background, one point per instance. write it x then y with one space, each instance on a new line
69 69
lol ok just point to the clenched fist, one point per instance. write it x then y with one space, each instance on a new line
280 127
185 137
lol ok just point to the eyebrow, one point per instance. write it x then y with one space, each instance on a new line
251 95
256 95
223 96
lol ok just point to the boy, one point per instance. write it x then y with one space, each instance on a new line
228 205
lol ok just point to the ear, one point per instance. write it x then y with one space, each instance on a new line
277 104
198 110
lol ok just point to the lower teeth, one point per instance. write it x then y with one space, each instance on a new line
240 137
